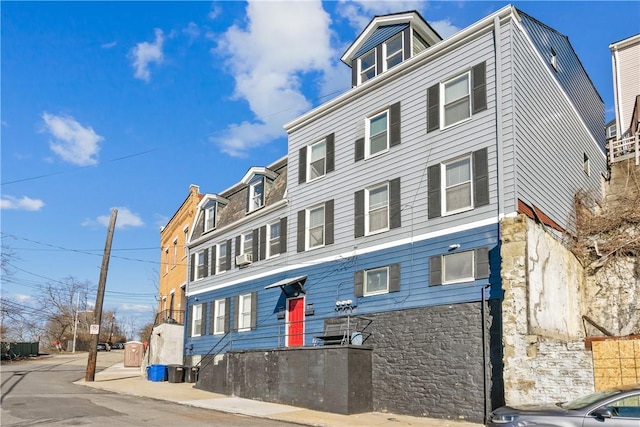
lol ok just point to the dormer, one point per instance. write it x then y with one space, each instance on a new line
258 181
387 41
208 212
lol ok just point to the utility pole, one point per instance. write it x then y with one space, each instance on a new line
97 313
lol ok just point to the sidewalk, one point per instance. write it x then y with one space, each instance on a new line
132 381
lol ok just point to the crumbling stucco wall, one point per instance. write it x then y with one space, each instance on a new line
545 359
166 344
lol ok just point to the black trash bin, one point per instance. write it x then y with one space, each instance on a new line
190 374
176 373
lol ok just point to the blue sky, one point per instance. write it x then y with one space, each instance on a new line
125 104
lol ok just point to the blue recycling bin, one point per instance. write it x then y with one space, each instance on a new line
157 373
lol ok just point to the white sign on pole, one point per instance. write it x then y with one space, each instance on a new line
94 329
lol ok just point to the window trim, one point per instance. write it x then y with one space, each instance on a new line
218 319
374 67
367 142
307 230
243 243
385 51
210 216
367 209
196 331
367 293
185 232
463 279
175 252
443 105
240 315
309 162
218 257
443 185
269 238
259 179
197 267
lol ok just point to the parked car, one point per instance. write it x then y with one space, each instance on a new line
103 346
117 346
611 408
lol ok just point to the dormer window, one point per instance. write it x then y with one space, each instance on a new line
209 211
367 66
394 51
256 193
210 215
258 182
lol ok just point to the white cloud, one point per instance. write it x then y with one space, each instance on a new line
444 28
108 45
192 31
23 204
124 219
214 12
268 57
73 142
146 53
23 298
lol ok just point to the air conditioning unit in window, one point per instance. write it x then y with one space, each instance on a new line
244 259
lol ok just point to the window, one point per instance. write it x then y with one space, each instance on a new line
377 134
612 131
628 407
185 231
196 321
166 260
554 60
367 66
221 261
459 267
220 310
586 164
458 185
200 265
376 281
247 243
456 95
377 200
175 251
394 51
256 193
273 239
315 232
317 160
244 312
456 99
210 216
456 188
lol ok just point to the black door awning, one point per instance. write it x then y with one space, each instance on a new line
295 285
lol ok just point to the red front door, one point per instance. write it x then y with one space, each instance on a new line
295 322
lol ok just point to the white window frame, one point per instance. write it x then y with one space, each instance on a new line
244 248
367 208
175 252
219 257
310 149
270 238
308 226
196 322
366 292
612 131
258 180
394 54
373 67
244 314
199 265
444 187
444 105
210 216
220 311
464 279
367 148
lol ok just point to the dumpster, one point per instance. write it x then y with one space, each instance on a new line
190 374
157 372
176 373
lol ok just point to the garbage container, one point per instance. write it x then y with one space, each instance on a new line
190 374
176 373
157 372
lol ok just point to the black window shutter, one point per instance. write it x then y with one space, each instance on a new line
192 267
189 321
248 204
328 222
228 254
354 73
479 83
395 216
212 316
433 185
379 59
254 310
302 165
358 281
406 34
394 124
283 235
480 178
394 278
359 149
237 252
358 209
205 273
482 263
214 257
254 245
331 152
433 108
203 321
263 242
435 270
236 312
227 314
301 230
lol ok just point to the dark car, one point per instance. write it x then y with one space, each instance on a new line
611 408
103 346
117 346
